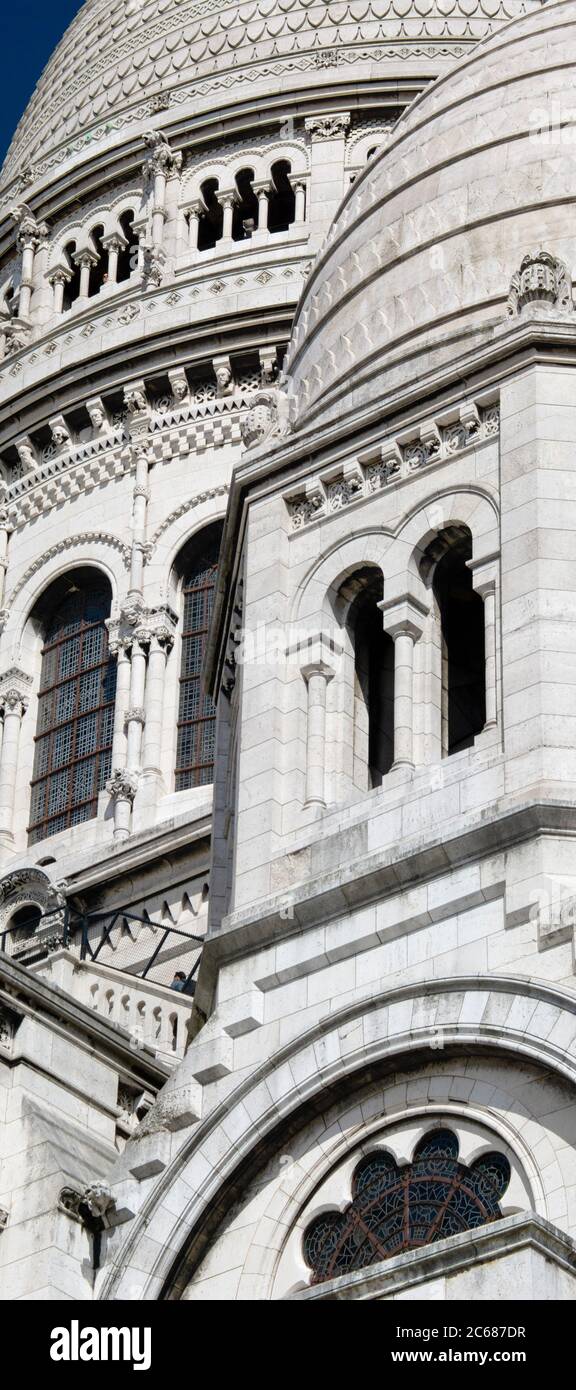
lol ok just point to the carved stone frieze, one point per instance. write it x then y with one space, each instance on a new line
391 463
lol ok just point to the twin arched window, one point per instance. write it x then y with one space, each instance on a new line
76 697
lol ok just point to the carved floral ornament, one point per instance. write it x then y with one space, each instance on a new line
543 282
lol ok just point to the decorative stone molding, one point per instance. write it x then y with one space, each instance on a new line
391 462
542 281
197 501
82 539
328 127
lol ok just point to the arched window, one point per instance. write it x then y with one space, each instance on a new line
394 1209
463 644
196 711
73 741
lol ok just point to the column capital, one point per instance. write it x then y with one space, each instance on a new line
122 785
15 688
30 232
316 654
328 127
404 616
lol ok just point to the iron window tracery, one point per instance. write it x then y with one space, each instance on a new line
394 1209
197 711
73 742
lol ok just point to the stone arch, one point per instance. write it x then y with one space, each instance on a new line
506 1017
97 550
28 887
319 590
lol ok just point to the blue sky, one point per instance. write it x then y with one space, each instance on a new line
29 31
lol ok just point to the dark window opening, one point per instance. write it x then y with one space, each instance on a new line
127 257
25 922
210 222
196 711
98 272
72 286
282 201
245 217
463 648
374 678
73 742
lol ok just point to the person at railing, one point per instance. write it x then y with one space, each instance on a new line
182 984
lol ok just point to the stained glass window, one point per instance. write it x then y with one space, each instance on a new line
73 743
394 1208
196 711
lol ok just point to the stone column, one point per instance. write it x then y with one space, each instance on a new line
193 227
263 194
317 672
122 786
113 244
300 203
121 649
227 202
404 620
5 531
13 704
141 496
31 234
85 259
161 165
135 715
161 639
58 279
484 574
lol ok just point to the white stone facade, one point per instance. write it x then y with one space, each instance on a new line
388 940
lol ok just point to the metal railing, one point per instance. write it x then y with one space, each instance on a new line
123 940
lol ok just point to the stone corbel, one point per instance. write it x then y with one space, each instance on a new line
60 432
135 398
268 357
179 385
222 368
26 453
99 419
329 127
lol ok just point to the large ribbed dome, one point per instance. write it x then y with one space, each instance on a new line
418 263
119 64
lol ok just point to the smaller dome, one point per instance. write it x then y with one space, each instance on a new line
417 266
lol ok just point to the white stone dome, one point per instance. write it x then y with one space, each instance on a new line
119 65
417 267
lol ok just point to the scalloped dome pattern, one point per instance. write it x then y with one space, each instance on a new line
416 268
121 63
